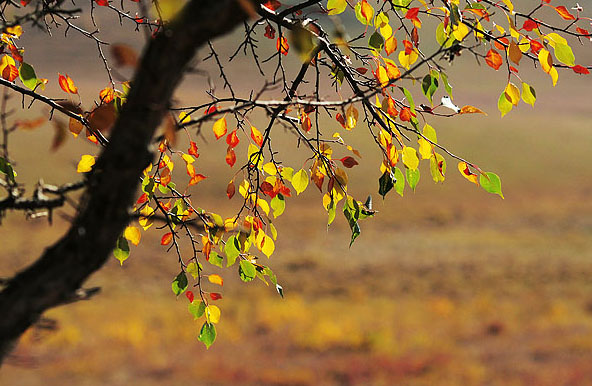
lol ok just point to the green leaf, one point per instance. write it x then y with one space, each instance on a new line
429 85
246 271
6 168
435 161
27 75
196 309
503 104
376 41
207 335
491 183
278 205
331 209
564 54
386 183
179 284
412 177
399 181
409 98
122 250
336 7
193 269
351 211
447 85
215 259
528 94
232 250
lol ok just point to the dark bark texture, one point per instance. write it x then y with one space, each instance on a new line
104 212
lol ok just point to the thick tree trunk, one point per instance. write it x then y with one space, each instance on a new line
104 213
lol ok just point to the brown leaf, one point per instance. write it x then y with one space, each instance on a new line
102 118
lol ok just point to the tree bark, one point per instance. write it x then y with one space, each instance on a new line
104 211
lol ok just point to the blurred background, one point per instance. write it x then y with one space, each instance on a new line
448 285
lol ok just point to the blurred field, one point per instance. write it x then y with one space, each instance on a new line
447 286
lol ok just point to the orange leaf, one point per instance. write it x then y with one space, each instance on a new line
230 189
166 239
106 95
232 139
471 110
256 135
196 178
282 45
67 84
193 149
230 157
220 127
493 59
564 13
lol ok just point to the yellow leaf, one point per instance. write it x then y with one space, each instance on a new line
407 60
263 205
188 158
216 279
512 93
546 60
270 168
382 76
268 246
463 168
146 220
184 117
460 31
220 127
132 234
212 314
336 7
16 31
351 117
243 188
300 181
554 75
273 231
425 148
410 158
524 45
86 163
509 4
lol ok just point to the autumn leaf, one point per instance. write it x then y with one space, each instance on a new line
464 170
493 59
193 149
86 163
349 162
220 128
216 279
282 45
257 136
564 13
67 84
300 181
132 234
166 239
232 139
471 110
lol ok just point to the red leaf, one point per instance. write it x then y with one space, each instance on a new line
210 110
189 295
230 157
362 70
340 119
257 136
103 3
232 139
230 189
501 43
349 162
269 32
67 84
529 25
582 31
580 70
272 4
408 47
193 149
166 239
535 46
215 296
267 188
564 13
143 198
493 59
